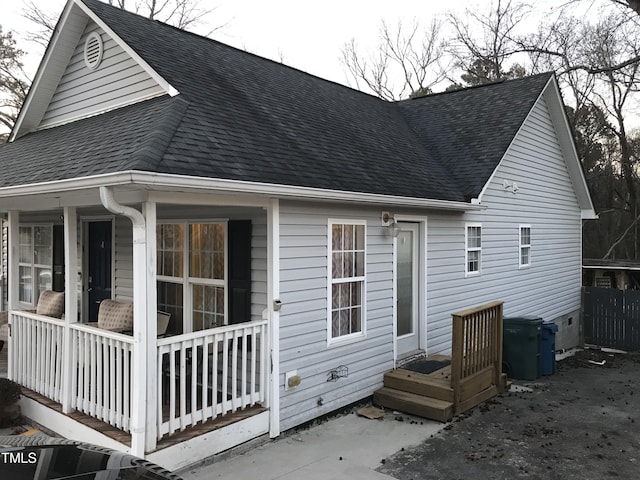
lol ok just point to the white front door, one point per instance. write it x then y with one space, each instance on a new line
408 288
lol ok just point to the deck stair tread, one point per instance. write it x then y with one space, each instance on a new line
419 384
414 404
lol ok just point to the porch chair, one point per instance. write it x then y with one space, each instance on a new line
115 316
162 322
50 304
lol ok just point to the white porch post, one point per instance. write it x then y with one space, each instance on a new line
143 428
70 300
151 294
13 272
273 294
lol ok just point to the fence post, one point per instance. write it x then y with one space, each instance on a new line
498 345
457 354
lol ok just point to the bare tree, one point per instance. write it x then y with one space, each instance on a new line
408 61
484 42
184 14
595 60
13 86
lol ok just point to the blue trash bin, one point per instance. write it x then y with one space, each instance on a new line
548 349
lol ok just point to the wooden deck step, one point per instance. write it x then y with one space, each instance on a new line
419 383
426 407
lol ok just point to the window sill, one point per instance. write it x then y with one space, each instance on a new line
346 340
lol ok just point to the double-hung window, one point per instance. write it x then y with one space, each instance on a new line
35 262
191 267
473 248
347 257
525 246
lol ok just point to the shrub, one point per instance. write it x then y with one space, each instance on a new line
9 392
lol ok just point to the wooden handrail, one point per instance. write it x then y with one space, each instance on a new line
476 344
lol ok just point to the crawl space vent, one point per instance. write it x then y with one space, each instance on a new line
93 51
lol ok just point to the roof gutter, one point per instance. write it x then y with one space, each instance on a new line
162 180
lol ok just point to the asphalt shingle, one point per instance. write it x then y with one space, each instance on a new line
243 117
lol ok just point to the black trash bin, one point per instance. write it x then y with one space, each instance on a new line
521 347
548 349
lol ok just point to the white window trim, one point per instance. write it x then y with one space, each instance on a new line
522 245
188 281
467 273
352 337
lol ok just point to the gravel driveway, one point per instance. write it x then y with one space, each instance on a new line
583 422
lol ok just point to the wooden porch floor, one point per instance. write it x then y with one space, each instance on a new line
167 441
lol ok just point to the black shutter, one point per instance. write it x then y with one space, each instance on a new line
58 258
239 271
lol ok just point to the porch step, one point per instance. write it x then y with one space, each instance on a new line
419 383
414 404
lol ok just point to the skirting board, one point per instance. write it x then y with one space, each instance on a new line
197 449
65 426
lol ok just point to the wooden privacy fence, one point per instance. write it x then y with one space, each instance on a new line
612 317
476 355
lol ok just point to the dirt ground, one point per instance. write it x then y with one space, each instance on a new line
582 422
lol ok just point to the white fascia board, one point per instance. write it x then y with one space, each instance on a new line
36 90
588 214
162 181
145 66
567 143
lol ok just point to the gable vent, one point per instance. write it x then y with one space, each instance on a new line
93 50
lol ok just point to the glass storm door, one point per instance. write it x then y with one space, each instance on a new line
408 288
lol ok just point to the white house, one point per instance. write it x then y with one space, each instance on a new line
303 236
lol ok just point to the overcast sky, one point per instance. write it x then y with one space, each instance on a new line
305 35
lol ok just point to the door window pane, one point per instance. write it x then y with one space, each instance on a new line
405 283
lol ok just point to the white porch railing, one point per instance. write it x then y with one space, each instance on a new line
204 374
201 375
36 353
101 374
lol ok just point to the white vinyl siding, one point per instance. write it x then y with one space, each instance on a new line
550 286
525 245
118 81
304 247
122 260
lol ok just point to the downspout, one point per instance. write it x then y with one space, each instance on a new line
142 411
136 217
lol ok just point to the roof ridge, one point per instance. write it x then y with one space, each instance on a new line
501 81
150 152
231 47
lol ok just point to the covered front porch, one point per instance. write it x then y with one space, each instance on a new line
147 386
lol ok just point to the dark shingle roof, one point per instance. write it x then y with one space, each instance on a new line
243 117
469 130
116 141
